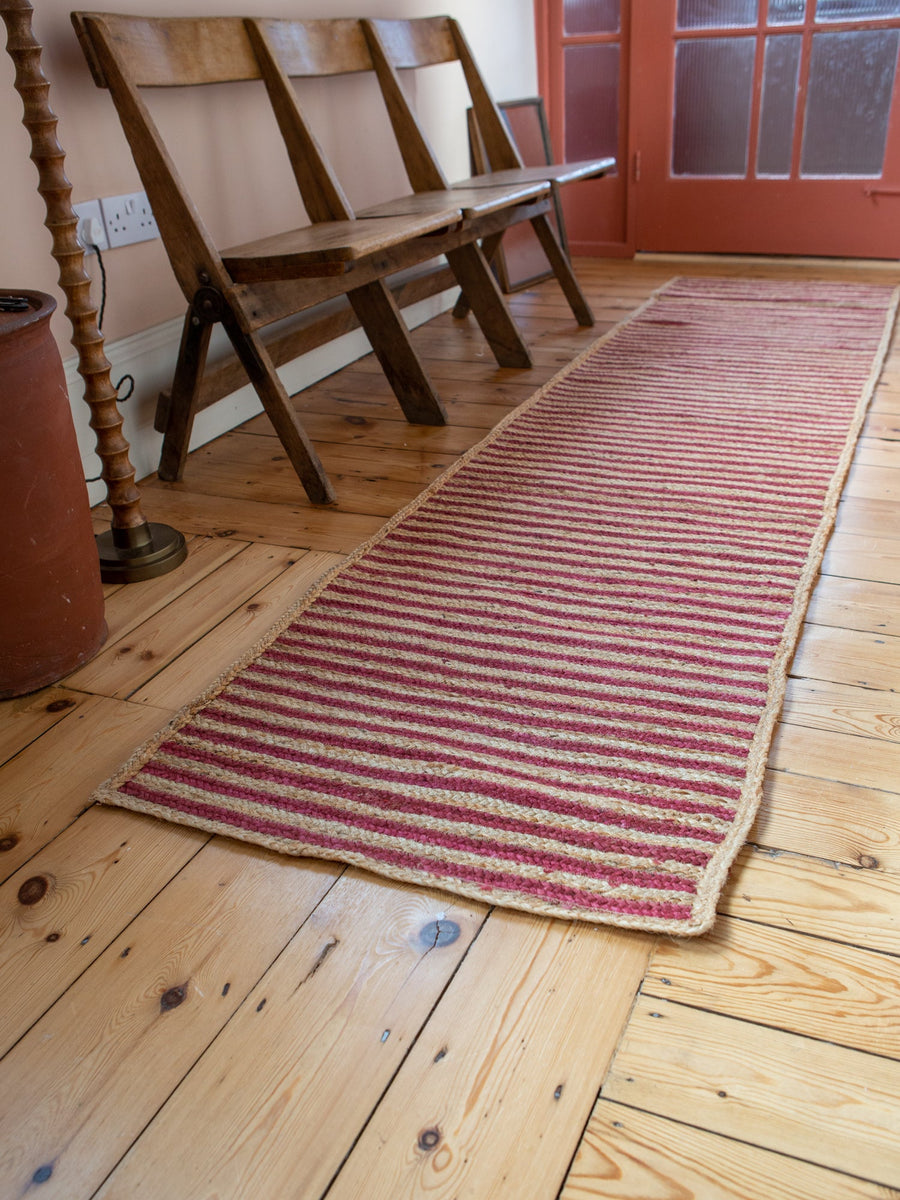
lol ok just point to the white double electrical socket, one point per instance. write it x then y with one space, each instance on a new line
115 221
128 219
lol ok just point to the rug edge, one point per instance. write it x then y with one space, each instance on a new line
489 896
750 801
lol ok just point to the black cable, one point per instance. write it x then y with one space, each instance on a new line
128 378
96 250
129 393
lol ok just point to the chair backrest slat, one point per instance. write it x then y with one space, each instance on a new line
318 46
127 53
500 147
422 167
421 42
173 52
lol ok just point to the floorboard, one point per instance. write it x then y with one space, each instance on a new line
765 1086
631 1155
839 822
832 992
331 1022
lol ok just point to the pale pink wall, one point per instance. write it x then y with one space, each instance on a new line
230 151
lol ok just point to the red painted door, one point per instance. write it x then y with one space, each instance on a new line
767 127
747 126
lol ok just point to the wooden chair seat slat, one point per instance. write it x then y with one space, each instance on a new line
560 173
333 243
471 201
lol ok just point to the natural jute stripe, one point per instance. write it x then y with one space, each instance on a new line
551 682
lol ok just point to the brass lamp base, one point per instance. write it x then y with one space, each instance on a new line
141 552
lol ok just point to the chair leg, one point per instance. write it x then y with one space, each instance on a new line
385 328
562 269
271 391
475 277
182 406
461 307
489 246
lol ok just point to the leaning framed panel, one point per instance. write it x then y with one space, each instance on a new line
520 261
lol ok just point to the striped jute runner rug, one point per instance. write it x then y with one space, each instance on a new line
551 683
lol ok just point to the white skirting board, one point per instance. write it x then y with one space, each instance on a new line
150 357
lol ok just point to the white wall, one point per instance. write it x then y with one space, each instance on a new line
236 169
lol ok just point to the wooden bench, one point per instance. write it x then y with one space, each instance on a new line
289 49
398 45
259 284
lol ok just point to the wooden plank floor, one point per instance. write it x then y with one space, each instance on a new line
188 1017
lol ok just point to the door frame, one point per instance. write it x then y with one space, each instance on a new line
617 190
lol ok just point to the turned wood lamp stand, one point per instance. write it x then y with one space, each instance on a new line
133 549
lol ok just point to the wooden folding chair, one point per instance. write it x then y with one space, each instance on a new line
287 49
426 41
254 285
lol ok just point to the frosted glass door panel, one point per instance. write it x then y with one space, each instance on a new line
716 14
713 92
592 101
856 10
591 16
786 12
851 82
779 102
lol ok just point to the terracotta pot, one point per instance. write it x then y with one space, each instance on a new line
51 600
